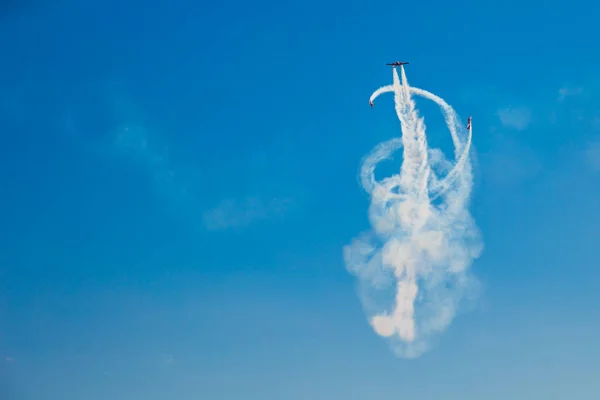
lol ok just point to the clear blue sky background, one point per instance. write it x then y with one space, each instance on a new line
178 180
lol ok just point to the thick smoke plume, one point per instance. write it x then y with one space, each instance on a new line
413 265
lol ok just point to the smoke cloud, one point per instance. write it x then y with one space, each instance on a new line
412 265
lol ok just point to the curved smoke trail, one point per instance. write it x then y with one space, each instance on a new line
423 248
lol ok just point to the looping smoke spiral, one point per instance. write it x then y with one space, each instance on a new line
413 265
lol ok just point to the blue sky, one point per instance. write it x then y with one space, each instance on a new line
179 180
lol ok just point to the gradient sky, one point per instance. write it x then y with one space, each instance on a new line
178 180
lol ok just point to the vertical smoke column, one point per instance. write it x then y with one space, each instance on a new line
411 215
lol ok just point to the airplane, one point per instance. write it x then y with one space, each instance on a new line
371 103
469 123
398 63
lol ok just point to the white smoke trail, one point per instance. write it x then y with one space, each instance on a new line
424 248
